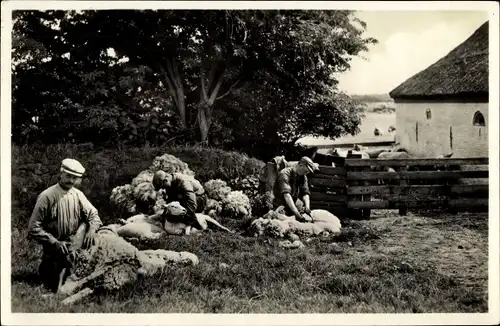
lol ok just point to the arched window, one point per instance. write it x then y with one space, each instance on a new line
428 114
478 119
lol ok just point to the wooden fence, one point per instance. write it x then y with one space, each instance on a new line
358 186
387 143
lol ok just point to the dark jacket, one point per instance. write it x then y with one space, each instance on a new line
184 190
290 182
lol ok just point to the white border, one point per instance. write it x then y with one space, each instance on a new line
490 318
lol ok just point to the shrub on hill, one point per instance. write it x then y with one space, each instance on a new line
35 168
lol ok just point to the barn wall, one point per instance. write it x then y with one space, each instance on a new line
434 133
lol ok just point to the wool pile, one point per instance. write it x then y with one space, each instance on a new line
223 201
113 262
140 195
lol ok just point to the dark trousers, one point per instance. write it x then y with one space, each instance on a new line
51 267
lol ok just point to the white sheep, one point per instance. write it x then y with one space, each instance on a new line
152 227
279 225
173 227
142 226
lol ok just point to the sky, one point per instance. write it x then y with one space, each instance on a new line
409 41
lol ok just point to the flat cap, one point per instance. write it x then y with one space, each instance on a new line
306 161
73 167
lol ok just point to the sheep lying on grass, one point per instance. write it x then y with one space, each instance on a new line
147 227
177 228
152 227
111 263
278 225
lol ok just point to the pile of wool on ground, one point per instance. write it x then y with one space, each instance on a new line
141 190
113 262
223 201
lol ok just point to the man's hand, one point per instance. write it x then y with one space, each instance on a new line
89 239
307 210
62 247
306 217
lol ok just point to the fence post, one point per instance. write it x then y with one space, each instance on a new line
367 197
403 207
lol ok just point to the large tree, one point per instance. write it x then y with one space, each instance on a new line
263 75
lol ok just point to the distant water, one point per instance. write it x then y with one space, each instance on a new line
371 120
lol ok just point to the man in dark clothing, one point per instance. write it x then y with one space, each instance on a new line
291 185
184 189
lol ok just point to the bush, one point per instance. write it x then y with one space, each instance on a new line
35 168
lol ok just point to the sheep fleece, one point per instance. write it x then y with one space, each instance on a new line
278 225
121 260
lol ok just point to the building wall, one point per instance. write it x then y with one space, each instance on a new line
433 135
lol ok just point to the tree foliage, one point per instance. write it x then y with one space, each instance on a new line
260 77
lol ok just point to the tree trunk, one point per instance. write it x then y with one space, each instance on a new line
204 121
173 79
209 95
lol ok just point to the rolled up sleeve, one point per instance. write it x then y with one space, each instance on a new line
37 221
284 183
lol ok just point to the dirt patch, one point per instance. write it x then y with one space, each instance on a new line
453 245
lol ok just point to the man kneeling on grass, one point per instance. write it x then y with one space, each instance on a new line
291 185
59 211
189 193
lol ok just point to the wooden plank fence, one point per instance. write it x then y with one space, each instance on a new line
449 184
351 145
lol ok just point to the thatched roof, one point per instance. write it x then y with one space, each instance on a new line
462 73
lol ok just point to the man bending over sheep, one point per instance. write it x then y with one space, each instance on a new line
59 211
291 185
182 189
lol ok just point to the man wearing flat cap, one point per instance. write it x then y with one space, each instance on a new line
59 212
291 185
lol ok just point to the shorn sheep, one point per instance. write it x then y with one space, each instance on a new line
278 225
178 228
151 227
110 264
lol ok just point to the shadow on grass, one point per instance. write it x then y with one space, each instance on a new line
28 277
357 234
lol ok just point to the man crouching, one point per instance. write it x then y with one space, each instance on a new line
291 185
188 192
59 211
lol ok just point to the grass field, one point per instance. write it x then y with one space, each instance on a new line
417 263
390 264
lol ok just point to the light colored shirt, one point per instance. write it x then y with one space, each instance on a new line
59 212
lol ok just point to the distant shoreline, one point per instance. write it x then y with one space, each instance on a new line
381 120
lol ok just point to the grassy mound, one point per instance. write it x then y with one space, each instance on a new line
35 169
